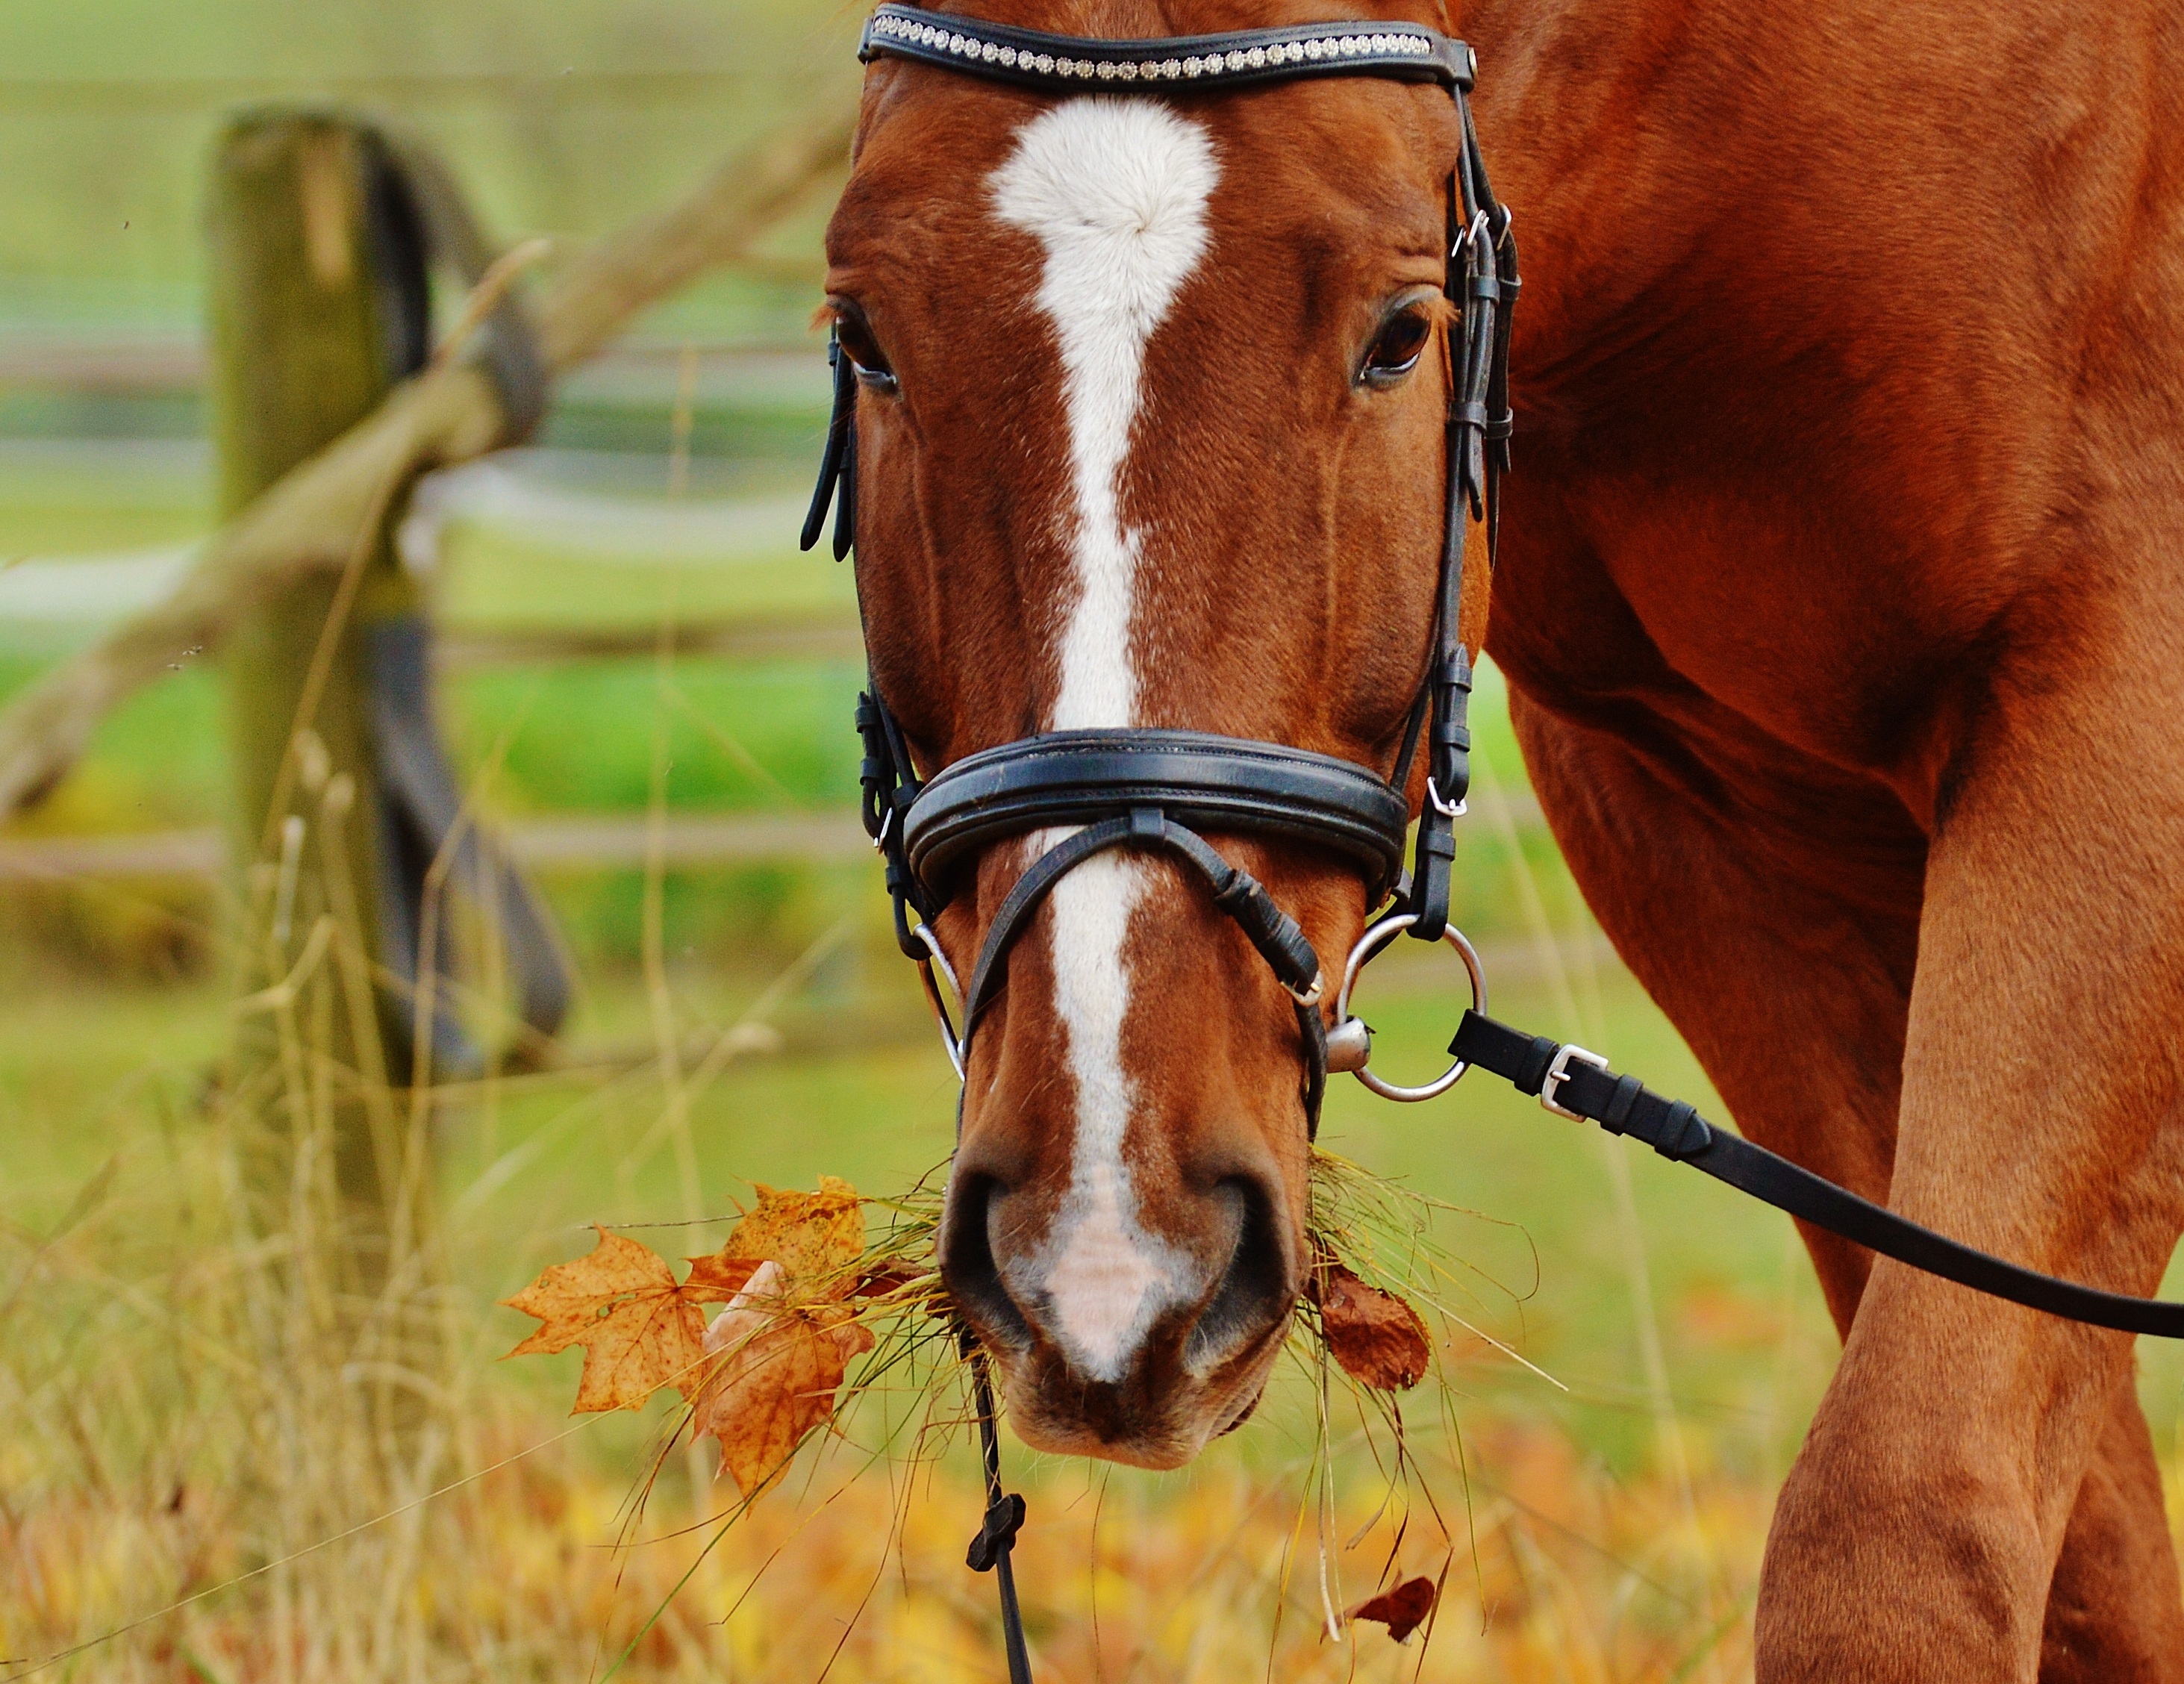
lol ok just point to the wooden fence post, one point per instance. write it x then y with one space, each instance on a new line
349 824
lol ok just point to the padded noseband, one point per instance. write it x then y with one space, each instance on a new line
1198 780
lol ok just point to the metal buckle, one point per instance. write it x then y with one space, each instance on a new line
1447 809
1478 231
1558 1073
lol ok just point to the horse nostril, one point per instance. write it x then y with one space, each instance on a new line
1254 1291
968 1265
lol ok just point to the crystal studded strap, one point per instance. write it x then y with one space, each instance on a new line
1062 64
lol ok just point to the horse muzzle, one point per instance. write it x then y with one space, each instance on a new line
1116 1338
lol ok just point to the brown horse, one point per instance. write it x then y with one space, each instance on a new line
1841 611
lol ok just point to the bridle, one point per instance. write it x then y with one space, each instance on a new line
1156 789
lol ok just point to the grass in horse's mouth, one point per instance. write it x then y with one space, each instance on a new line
1373 1226
1370 1228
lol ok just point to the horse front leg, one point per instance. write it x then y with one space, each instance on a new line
1795 995
2113 1614
1971 1455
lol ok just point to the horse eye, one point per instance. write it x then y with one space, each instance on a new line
857 337
1396 350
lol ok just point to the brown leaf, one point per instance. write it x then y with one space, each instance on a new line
779 1368
816 1238
1378 1338
1403 1611
883 1278
621 1302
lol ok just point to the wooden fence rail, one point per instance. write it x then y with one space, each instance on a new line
321 516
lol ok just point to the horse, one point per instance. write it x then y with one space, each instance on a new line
1838 607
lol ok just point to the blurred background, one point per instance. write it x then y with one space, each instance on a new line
644 692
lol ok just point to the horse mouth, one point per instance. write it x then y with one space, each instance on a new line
1196 1370
1160 1424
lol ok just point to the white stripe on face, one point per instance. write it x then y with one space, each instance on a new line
1116 192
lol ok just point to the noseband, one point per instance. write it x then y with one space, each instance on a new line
1155 789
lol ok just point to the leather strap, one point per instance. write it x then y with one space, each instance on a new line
837 463
996 1540
1236 892
1623 1105
1199 780
1072 64
422 192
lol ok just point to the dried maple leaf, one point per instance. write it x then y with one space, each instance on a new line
1378 1338
778 1367
1403 1611
621 1303
816 1238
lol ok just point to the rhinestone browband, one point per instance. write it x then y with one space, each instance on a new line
1033 58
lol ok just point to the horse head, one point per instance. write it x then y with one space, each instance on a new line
1150 398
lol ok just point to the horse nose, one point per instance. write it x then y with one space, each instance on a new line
1084 1277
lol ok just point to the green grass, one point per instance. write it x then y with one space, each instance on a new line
579 738
499 581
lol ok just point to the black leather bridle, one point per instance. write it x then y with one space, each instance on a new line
1156 790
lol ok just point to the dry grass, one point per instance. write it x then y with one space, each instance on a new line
253 1434
220 1461
223 1458
167 1437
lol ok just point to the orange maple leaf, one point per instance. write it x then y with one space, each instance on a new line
1378 1338
779 1366
771 1367
717 1278
640 1331
816 1239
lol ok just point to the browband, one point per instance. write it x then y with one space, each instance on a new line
1065 63
1200 780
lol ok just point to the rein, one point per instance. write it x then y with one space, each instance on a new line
1153 789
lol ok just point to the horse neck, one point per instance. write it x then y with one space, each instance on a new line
1597 132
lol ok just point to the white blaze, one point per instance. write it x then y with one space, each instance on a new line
1115 190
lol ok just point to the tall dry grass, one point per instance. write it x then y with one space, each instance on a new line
216 1468
251 1433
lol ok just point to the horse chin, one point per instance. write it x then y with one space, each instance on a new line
1053 1408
